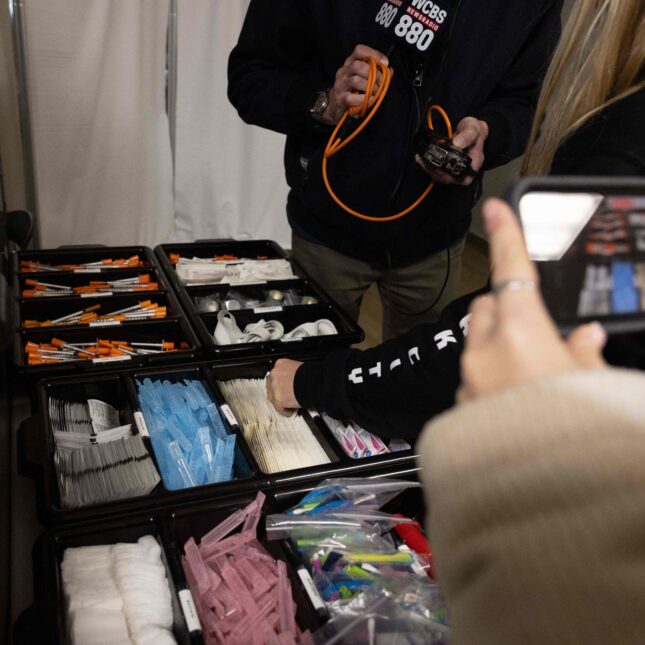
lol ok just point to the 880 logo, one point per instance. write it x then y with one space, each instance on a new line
418 23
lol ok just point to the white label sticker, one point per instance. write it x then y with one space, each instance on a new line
190 613
90 270
141 423
248 284
228 413
311 590
104 323
96 294
292 340
111 359
266 310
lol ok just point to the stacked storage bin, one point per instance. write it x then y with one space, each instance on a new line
139 392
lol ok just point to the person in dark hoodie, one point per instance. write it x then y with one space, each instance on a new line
589 121
299 64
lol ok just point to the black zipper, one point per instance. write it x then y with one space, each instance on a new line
418 75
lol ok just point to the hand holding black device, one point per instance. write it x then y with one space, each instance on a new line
587 238
440 153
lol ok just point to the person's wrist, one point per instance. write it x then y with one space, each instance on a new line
320 106
327 117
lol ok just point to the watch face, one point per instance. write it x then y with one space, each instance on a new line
320 103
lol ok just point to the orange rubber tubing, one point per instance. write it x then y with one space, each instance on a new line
373 98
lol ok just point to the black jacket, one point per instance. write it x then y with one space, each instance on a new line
399 401
612 143
490 67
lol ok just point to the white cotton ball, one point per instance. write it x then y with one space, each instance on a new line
99 627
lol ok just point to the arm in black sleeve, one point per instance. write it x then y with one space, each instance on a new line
509 111
269 80
394 388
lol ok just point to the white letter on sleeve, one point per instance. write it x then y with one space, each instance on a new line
443 338
356 375
412 354
464 323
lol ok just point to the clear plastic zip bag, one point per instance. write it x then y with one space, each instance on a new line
392 610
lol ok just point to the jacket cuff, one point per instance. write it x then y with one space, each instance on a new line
300 98
500 135
306 383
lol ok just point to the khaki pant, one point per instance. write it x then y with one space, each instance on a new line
406 293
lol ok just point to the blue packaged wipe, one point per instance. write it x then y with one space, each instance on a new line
206 450
200 390
216 421
192 397
173 427
179 460
197 465
229 455
220 445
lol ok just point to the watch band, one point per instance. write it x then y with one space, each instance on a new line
319 105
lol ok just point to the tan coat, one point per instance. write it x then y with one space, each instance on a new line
536 511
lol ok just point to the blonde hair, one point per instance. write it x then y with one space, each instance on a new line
600 60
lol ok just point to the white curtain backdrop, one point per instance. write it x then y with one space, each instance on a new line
229 177
97 80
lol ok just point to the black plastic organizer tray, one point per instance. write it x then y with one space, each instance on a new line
173 327
290 316
73 255
45 621
118 388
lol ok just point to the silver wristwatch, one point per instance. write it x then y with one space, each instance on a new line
319 105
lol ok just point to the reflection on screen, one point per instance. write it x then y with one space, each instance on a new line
553 221
590 250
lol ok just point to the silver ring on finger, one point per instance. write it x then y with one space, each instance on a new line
514 284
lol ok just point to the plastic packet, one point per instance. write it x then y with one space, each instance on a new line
406 610
236 299
343 518
208 304
355 492
310 539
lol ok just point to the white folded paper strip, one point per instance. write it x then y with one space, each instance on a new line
278 443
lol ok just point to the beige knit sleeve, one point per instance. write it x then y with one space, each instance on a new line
536 511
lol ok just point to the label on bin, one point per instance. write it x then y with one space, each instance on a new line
189 611
266 310
141 423
310 588
111 359
90 270
96 294
249 283
228 413
104 323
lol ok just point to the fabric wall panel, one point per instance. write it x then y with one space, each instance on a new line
96 70
229 179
